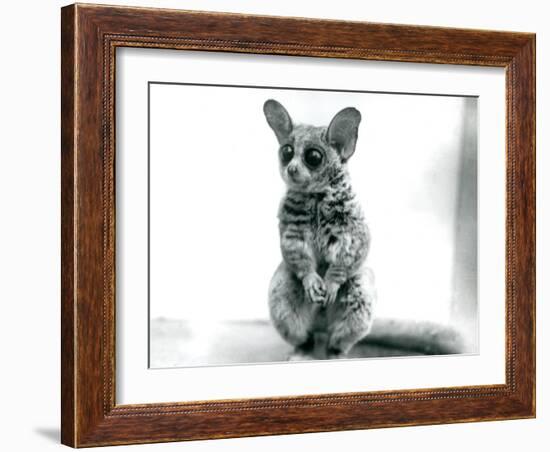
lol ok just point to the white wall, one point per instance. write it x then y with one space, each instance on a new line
215 190
29 234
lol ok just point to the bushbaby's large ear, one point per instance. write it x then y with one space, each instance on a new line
278 119
342 132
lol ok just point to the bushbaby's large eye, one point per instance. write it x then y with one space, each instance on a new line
313 157
286 153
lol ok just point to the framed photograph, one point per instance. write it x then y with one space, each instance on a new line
280 225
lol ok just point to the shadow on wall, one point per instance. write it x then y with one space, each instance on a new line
464 304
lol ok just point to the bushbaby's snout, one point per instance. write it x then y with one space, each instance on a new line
293 174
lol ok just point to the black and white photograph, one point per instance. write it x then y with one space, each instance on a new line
298 224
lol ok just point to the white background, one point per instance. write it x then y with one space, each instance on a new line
215 190
30 226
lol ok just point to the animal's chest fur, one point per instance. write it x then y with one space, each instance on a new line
322 222
325 232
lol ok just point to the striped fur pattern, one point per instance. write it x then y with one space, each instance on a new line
322 284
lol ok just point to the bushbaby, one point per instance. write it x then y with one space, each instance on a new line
322 284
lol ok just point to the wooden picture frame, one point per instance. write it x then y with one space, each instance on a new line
90 35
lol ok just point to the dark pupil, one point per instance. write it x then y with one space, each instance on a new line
287 153
313 158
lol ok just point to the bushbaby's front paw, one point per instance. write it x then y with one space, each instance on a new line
315 288
332 291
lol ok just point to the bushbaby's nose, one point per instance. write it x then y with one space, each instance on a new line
292 170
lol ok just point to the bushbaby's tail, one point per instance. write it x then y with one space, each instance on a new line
420 336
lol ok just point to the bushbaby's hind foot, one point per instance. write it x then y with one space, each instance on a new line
336 353
303 352
300 356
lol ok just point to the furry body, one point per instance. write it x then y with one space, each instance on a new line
322 284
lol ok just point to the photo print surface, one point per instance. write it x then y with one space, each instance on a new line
294 224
